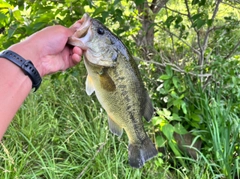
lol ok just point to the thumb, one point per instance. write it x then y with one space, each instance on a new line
76 25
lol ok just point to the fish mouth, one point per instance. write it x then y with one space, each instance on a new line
83 38
83 33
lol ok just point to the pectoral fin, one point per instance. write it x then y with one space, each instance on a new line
114 128
148 108
89 86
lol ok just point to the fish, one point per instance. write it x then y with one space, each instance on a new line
114 76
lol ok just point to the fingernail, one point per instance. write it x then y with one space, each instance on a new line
76 25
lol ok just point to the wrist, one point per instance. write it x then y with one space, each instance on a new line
26 66
28 51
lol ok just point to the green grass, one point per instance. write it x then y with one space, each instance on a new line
224 133
60 132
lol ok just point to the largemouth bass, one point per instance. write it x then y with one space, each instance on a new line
114 77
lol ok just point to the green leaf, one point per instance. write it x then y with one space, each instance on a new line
199 2
175 81
197 16
184 108
174 148
179 19
139 2
166 112
156 120
70 1
234 80
116 2
2 17
194 124
164 77
167 84
194 2
178 103
200 23
98 11
168 130
37 26
178 128
17 15
169 70
176 117
169 20
160 141
4 5
174 95
12 29
195 117
202 2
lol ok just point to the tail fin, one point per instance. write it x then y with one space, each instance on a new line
139 154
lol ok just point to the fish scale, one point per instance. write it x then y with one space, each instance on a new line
131 106
114 77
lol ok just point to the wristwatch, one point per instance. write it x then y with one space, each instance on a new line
26 66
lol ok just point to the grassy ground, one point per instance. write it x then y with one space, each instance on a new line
60 132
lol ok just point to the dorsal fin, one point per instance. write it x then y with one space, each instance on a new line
148 108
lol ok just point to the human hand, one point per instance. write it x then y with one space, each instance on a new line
48 51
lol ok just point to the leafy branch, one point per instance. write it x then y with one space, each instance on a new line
179 38
202 46
172 10
232 5
233 50
174 67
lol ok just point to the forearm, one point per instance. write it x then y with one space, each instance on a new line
48 52
14 88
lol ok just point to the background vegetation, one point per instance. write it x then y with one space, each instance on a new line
189 56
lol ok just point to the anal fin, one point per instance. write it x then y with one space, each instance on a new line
114 127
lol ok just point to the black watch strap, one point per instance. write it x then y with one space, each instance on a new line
26 66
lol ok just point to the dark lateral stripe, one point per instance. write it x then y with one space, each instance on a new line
140 133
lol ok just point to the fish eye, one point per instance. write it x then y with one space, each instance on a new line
100 31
